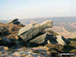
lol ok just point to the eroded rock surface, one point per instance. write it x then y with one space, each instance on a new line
31 30
31 33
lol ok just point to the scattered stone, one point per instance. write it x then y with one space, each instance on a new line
40 39
73 43
55 47
16 54
48 52
38 56
16 37
73 51
6 48
30 55
3 30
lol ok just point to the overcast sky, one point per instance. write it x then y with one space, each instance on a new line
23 9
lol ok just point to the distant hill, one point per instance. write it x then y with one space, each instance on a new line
4 21
55 19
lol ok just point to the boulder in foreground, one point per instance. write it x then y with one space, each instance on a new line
31 30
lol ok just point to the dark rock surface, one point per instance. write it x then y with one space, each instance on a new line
15 21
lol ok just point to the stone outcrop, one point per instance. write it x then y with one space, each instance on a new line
61 40
35 34
8 33
31 30
15 21
3 30
40 39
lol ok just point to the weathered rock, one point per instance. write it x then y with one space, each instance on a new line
40 39
6 42
16 54
61 40
55 47
3 30
31 30
44 39
15 21
57 39
6 48
49 38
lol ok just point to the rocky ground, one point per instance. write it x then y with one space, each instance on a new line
33 40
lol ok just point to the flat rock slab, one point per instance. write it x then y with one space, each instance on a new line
40 39
61 40
31 30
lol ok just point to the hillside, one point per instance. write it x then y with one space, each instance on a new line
34 40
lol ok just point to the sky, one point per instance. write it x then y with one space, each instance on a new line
23 9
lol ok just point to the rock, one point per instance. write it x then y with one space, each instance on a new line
16 54
31 30
15 21
40 39
12 44
24 29
3 30
72 43
38 56
5 41
61 40
16 37
29 55
48 52
73 51
48 38
6 48
56 38
55 47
